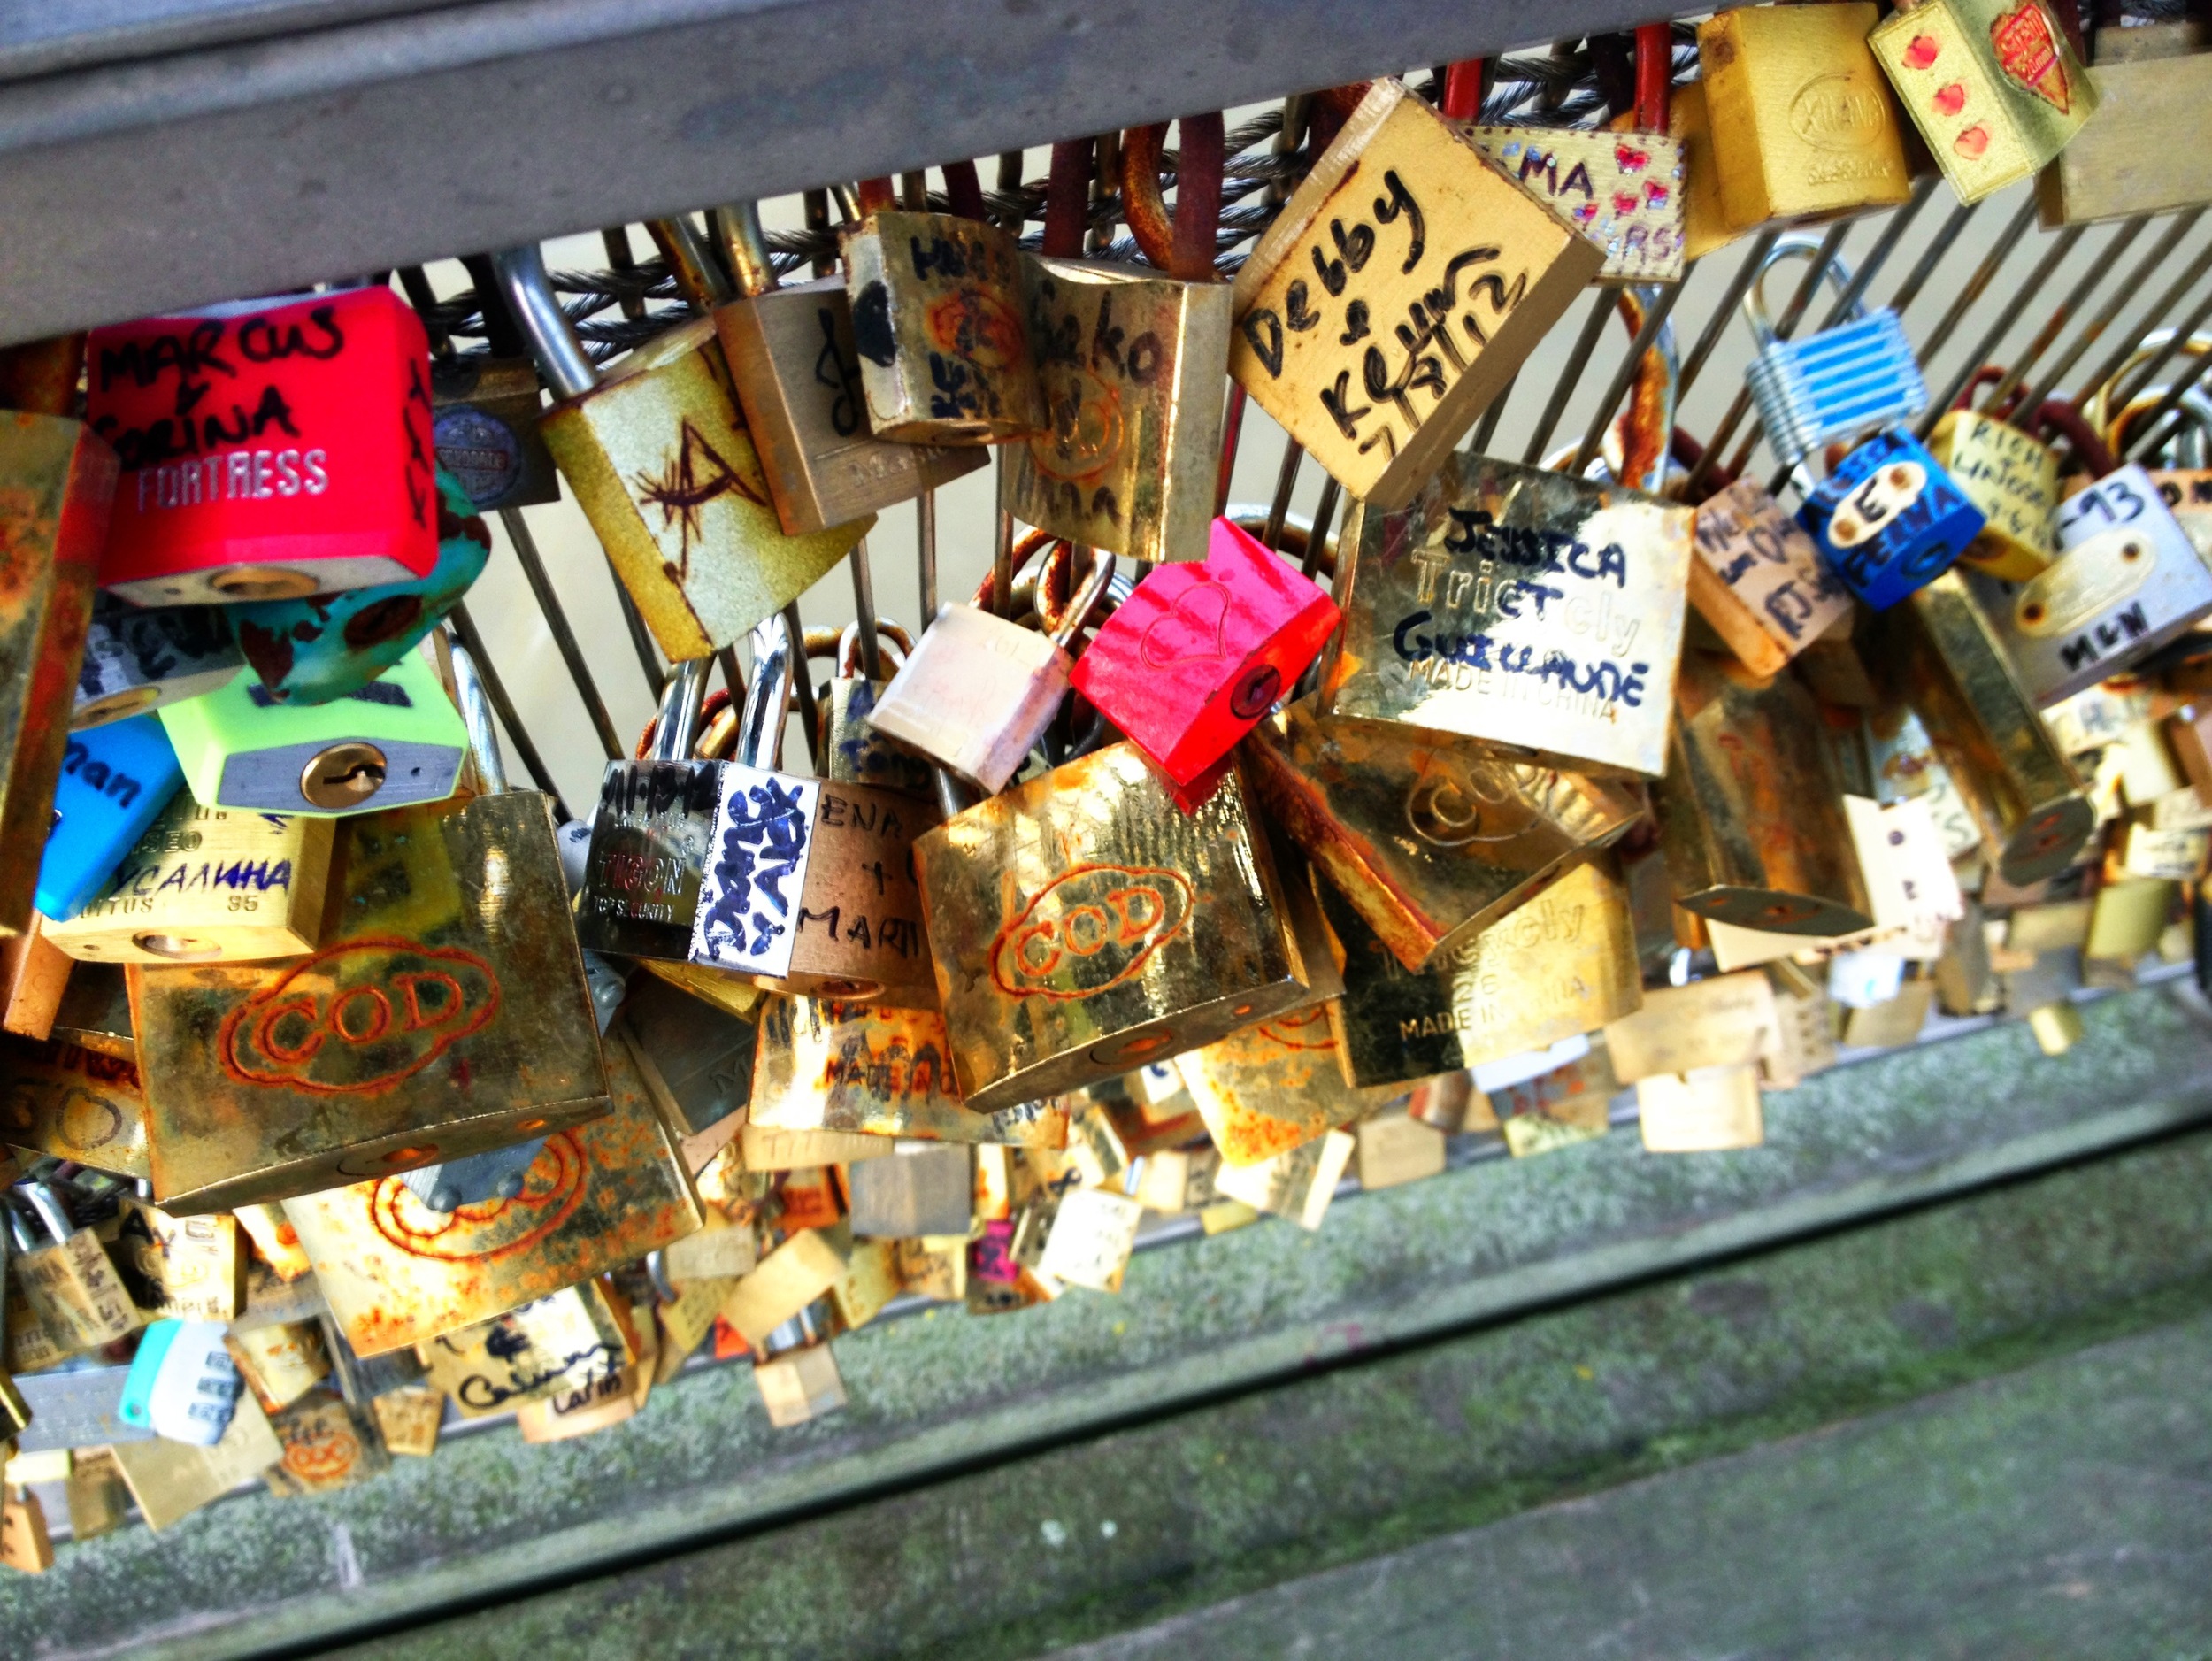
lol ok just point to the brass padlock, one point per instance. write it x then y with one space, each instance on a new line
662 465
1430 842
484 410
71 1284
74 1104
2012 478
1275 1086
1751 815
1937 652
562 1342
1539 614
1320 299
1758 580
695 1059
179 1268
1082 924
445 1014
56 485
2152 82
138 657
796 371
853 752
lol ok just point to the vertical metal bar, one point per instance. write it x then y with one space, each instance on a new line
1324 511
1784 326
1487 428
2160 307
503 707
1724 309
1001 541
615 241
1010 180
2062 313
649 654
2008 314
816 207
1286 482
1870 268
925 553
1932 256
565 641
1656 312
810 707
2128 288
1578 355
864 610
1231 437
732 676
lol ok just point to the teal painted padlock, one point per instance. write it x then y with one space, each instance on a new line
328 646
1836 384
395 741
115 780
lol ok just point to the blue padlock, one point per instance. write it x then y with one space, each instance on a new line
325 646
1889 519
1834 385
115 780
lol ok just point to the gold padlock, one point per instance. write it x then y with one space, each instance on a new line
1275 1086
1082 924
2152 83
2012 479
70 1283
562 1342
61 1099
1759 581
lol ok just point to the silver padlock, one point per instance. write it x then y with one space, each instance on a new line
1834 384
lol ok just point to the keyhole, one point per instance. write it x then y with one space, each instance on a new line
342 776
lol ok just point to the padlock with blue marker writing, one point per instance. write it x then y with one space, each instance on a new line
1889 519
182 1385
115 780
395 741
1835 384
136 657
326 646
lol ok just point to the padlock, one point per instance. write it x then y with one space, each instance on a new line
1889 519
476 1180
179 1268
937 319
56 488
70 1283
1430 842
271 449
1758 580
397 740
919 1191
1188 664
484 411
1538 613
74 1104
649 837
1082 925
853 750
662 465
444 1014
808 884
1992 85
1837 383
1623 187
328 646
1803 126
1274 1086
136 657
1563 962
2153 81
209 883
695 1059
878 1071
798 375
115 780
1315 300
2012 481
979 691
562 1342
2127 579
1751 816
2187 491
1939 653
33 982
1129 364
182 1385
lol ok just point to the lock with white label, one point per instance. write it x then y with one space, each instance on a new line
182 1385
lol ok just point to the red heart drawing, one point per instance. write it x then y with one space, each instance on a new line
1630 159
1951 99
1921 51
1203 636
1972 142
1625 204
1656 194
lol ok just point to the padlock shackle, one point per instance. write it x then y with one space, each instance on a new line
476 717
699 276
890 638
48 1207
676 725
1087 599
1655 75
555 346
1463 91
768 699
1186 250
1068 198
20 1238
744 247
1792 247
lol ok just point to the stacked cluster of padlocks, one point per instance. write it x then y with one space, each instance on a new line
352 1089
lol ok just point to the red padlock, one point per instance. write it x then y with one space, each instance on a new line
270 449
1198 653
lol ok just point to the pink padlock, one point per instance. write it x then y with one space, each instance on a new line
1198 653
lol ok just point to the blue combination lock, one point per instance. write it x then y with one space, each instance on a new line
1889 519
1833 385
115 780
325 646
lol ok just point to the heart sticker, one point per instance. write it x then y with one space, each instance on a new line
1625 204
1586 212
1190 631
1656 194
2028 51
1921 51
1951 99
1630 159
1972 142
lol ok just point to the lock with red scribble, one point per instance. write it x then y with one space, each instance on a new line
1198 653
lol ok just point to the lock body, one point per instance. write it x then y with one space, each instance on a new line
1705 224
2012 481
2187 492
56 486
856 753
2127 579
2150 83
1198 653
1623 190
396 742
1374 241
662 465
268 451
1109 928
568 1341
1274 1086
327 646
1803 125
115 780
1889 519
1939 653
798 375
135 658
484 430
1538 613
73 1288
879 1072
1560 963
650 842
1834 385
1430 843
696 1061
937 317
209 883
1992 85
1129 365
600 1193
974 695
1758 580
1751 809
445 1014
74 1104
